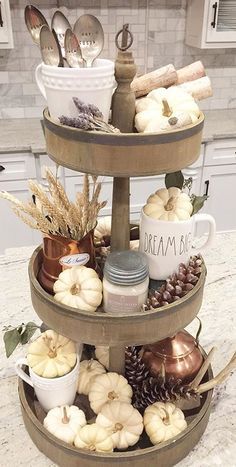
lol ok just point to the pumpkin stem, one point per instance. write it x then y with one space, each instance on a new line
173 121
65 418
52 353
75 289
117 427
166 112
167 419
170 203
112 395
92 447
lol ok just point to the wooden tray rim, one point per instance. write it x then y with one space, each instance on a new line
121 139
101 316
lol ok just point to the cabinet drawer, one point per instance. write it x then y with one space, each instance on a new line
17 166
220 152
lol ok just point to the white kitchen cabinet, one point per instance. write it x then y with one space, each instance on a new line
211 23
6 36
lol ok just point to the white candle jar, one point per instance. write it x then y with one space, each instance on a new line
125 282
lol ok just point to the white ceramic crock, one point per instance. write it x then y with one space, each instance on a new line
169 243
93 85
51 392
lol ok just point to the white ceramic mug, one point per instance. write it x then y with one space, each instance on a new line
169 243
93 85
51 392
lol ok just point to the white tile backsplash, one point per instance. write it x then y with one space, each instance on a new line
158 27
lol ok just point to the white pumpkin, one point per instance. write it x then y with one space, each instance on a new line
102 354
103 227
169 205
79 287
163 421
107 388
123 422
165 110
94 438
65 422
51 355
89 370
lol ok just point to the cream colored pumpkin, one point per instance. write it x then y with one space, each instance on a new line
102 354
94 438
163 421
89 370
103 227
79 287
169 205
165 110
51 355
65 422
107 388
123 422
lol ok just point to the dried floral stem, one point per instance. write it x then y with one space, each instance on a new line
203 369
219 378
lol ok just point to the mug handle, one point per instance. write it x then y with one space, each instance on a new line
212 229
39 80
21 373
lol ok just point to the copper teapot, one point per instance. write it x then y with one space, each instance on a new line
180 355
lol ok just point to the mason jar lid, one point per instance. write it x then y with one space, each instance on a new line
126 267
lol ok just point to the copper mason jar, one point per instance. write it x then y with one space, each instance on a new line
54 248
180 355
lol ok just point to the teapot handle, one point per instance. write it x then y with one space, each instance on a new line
199 330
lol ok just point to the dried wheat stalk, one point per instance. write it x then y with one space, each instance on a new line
52 212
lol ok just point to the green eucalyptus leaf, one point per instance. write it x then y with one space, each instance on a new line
174 179
29 331
11 340
198 202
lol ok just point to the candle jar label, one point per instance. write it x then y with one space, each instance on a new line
120 303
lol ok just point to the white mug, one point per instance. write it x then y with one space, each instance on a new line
169 243
93 85
51 392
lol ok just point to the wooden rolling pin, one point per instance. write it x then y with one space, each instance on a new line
200 88
163 77
191 72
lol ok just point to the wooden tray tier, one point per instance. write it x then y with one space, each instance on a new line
143 455
124 154
101 328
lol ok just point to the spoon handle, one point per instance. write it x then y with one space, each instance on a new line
61 61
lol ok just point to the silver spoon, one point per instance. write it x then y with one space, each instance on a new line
90 35
34 20
60 24
49 47
73 53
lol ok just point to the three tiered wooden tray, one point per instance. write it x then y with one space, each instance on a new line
120 156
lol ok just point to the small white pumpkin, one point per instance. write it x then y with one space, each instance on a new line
103 227
169 205
163 421
165 110
102 354
123 422
65 422
51 355
89 370
94 438
79 287
107 388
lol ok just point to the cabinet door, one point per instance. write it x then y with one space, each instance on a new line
220 182
14 233
221 24
6 37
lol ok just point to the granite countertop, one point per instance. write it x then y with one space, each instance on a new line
217 445
27 134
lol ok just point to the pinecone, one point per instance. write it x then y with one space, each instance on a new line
135 370
176 286
158 390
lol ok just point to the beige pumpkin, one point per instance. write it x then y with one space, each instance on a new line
51 355
103 227
165 110
169 205
163 421
102 354
79 287
89 370
94 438
65 422
123 422
107 388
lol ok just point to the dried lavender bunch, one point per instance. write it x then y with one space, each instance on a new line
176 286
87 122
89 109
